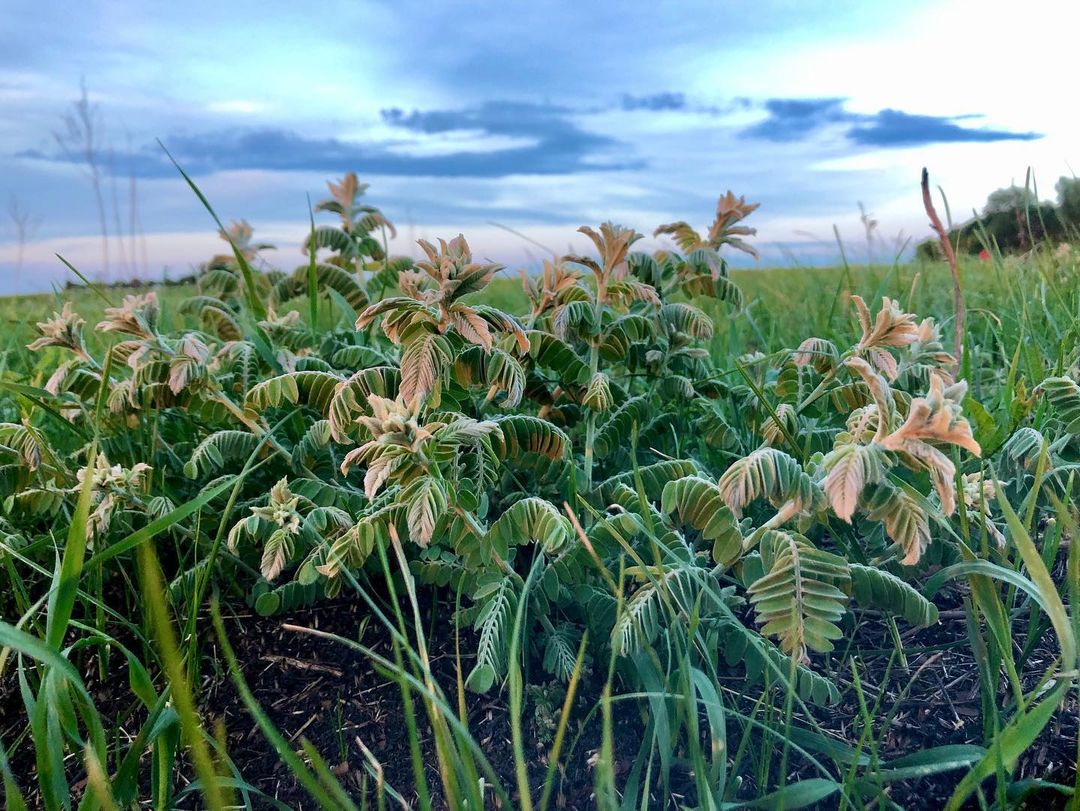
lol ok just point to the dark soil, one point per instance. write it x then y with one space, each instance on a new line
312 687
327 693
331 695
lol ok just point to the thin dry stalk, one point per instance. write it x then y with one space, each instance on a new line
81 140
25 226
950 257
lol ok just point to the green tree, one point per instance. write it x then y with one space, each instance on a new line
1068 191
1009 199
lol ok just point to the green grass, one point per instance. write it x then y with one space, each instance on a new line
783 304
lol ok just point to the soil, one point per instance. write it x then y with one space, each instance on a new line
330 695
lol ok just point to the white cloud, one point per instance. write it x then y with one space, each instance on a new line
455 142
237 106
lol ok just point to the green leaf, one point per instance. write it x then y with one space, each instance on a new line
1063 394
800 794
481 679
549 352
532 520
697 502
315 389
797 600
525 437
326 277
654 478
768 473
498 600
1040 576
1009 744
877 588
267 603
616 428
218 448
65 589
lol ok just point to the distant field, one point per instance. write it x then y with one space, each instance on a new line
781 303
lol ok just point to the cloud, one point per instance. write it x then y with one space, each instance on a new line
797 119
237 107
896 128
559 144
517 138
654 102
498 139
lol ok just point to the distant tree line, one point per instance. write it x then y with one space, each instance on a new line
136 282
1014 220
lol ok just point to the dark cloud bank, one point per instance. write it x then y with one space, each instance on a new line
797 119
556 141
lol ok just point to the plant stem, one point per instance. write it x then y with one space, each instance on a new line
594 367
950 257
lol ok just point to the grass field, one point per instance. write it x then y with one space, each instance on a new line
784 304
647 534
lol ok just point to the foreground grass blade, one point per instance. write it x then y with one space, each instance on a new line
13 798
1051 600
165 640
1008 745
62 596
258 309
159 525
96 288
53 702
802 794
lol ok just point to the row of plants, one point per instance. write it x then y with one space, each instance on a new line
603 499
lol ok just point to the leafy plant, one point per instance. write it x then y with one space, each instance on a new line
599 491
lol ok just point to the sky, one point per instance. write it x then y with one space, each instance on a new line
516 122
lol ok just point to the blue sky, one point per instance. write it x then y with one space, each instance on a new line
538 115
